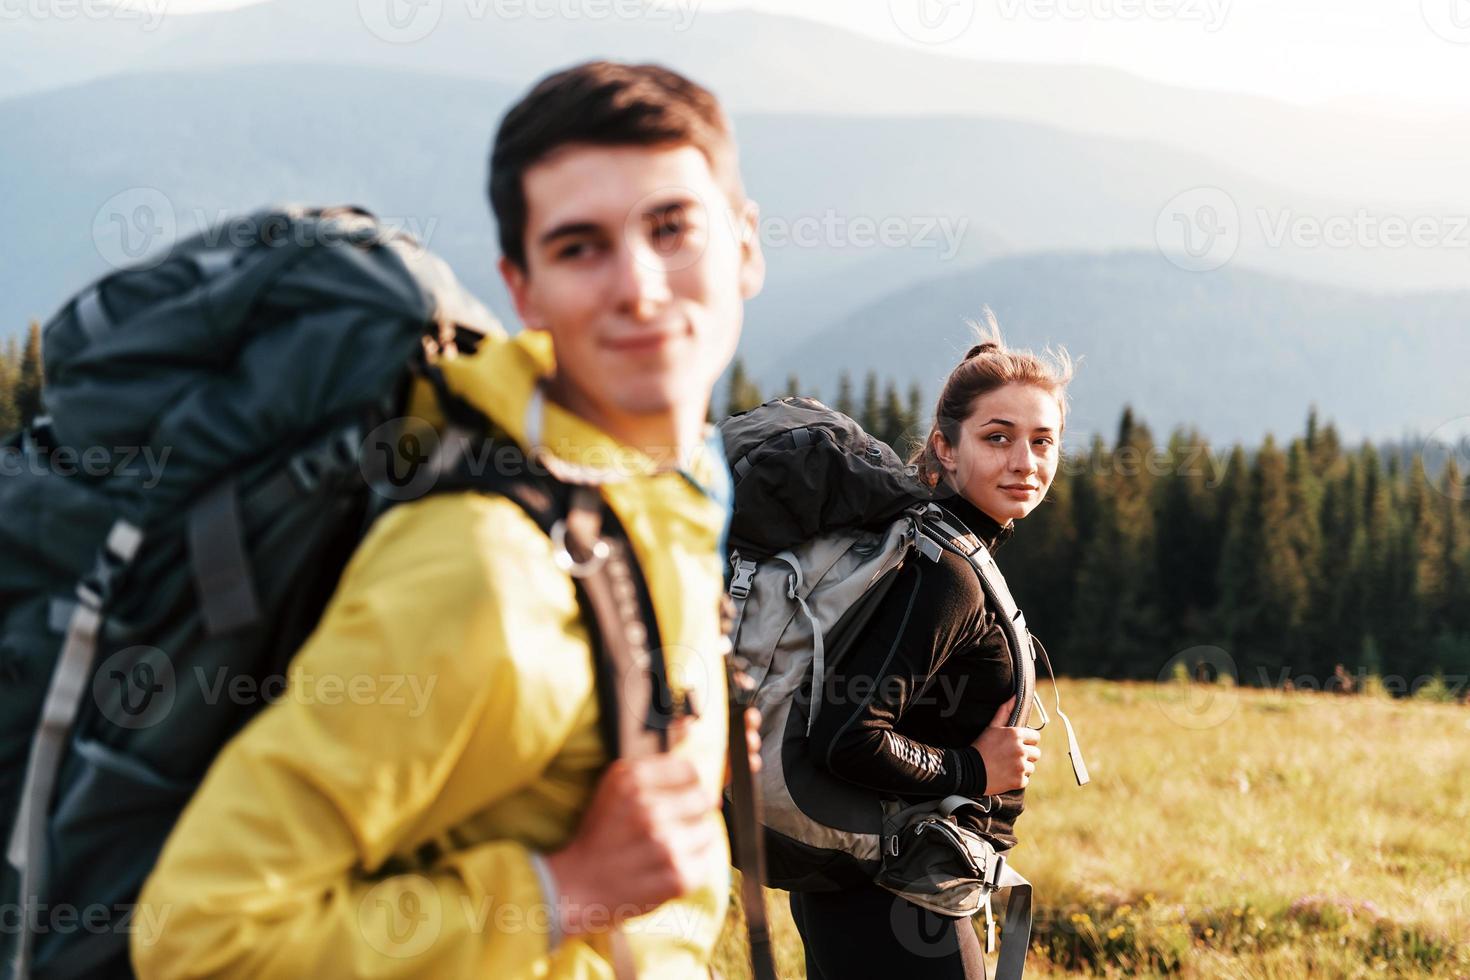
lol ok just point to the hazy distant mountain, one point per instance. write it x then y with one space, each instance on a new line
86 163
1235 352
765 63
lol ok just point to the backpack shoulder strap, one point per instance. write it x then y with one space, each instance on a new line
592 547
941 528
1018 637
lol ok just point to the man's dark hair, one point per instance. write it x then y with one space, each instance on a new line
602 103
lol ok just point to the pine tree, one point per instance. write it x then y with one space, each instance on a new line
896 429
743 392
9 366
916 412
1186 566
29 381
793 384
872 411
845 403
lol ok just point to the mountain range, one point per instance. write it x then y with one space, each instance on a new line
1053 194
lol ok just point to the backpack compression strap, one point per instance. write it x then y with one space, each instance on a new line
69 683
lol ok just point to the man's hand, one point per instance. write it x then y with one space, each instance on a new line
647 837
1010 754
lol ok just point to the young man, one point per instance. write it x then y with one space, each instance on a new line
477 829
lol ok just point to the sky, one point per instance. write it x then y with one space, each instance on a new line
1395 57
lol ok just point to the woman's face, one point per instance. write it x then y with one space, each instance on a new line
1007 451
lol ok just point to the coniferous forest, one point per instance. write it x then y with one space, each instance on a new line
1276 564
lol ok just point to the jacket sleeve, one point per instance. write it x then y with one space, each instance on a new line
288 862
927 614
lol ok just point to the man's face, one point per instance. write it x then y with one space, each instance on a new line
638 266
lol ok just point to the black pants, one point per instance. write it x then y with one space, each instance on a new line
868 932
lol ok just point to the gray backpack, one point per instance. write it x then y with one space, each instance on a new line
825 515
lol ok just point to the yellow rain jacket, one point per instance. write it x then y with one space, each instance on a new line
439 726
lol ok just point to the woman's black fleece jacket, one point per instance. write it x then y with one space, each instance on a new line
911 694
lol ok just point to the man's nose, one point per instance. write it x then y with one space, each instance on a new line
642 284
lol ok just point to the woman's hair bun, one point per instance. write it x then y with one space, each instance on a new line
989 347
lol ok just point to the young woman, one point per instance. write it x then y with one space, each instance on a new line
917 708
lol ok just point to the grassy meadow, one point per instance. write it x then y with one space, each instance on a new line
1238 833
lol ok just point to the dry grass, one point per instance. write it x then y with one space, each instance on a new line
1240 834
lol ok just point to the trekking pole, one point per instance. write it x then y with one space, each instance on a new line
750 856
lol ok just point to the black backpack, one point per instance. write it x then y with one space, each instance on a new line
223 427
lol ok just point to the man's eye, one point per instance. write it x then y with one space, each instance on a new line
574 250
669 229
998 437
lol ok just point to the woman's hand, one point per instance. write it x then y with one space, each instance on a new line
1010 754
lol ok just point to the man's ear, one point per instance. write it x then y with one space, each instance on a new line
517 283
752 259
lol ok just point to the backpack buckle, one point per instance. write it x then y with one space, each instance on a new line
577 567
994 883
744 577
